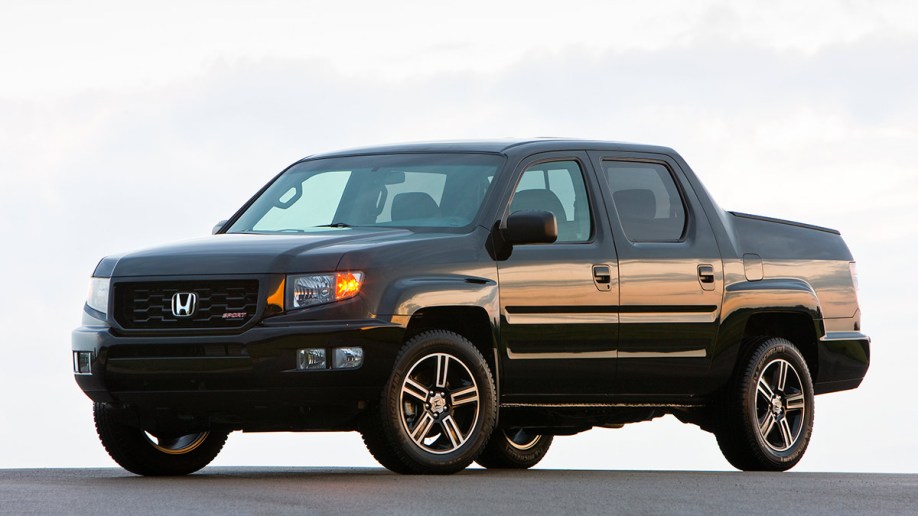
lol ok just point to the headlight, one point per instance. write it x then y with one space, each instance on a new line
316 289
97 299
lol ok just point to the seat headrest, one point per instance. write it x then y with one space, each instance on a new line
539 199
635 204
414 205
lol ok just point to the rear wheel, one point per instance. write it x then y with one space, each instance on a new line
514 448
438 407
767 418
151 454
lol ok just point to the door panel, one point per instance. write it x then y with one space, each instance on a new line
670 276
558 322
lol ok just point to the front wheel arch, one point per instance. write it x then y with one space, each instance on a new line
470 322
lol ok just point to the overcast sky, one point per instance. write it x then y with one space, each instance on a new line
125 126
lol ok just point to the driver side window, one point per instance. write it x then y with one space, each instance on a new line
557 187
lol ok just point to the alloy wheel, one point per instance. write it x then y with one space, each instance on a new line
439 404
779 403
177 445
522 440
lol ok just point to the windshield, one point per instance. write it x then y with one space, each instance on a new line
397 190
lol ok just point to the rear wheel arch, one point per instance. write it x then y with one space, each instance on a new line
788 308
797 327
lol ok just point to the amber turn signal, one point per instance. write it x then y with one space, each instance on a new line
276 299
347 285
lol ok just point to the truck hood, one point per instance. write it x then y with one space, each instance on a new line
317 251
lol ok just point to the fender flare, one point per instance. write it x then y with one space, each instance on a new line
746 299
404 297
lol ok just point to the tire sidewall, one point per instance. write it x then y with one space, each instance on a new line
132 449
771 350
523 458
461 349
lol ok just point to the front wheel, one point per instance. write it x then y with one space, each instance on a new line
147 454
767 418
514 448
437 410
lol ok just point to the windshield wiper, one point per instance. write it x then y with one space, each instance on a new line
334 225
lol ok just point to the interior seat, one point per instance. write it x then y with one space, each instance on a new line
414 205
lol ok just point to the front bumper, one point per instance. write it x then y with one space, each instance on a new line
245 381
843 361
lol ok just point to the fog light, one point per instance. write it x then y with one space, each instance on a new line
82 362
310 358
348 358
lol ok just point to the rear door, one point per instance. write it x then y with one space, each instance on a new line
670 274
558 302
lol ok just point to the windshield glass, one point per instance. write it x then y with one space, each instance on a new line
397 190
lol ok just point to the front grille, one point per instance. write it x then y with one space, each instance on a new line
220 304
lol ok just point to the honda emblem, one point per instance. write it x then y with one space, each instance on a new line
184 304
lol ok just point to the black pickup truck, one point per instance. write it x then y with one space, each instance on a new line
468 301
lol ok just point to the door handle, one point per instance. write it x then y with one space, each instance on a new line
706 273
602 277
706 276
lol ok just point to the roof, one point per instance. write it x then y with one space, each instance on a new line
496 146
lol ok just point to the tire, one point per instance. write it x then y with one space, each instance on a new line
144 454
514 449
376 441
437 409
766 418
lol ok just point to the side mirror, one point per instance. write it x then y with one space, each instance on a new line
218 226
530 227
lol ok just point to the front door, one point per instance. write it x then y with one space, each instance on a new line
671 275
558 302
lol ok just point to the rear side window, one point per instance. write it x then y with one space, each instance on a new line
646 200
556 187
